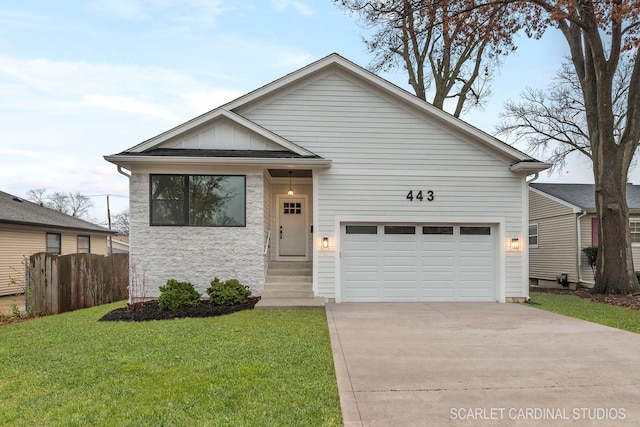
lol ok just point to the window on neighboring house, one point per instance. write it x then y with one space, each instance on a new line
84 244
634 227
533 235
201 200
54 243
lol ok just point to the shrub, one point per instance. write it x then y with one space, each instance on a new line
591 253
231 292
176 294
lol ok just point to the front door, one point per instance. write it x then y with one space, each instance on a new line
292 227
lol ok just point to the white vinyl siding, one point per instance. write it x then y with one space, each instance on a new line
379 152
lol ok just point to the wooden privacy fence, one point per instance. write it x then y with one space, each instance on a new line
60 283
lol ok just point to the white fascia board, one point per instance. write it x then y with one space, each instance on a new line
391 89
529 167
128 160
575 209
212 115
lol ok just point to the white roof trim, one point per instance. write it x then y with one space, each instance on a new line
529 167
574 208
336 60
212 115
124 160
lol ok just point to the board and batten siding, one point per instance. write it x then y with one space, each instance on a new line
380 151
556 252
197 254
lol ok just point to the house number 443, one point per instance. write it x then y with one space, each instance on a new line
428 196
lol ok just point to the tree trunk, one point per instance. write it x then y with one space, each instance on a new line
614 266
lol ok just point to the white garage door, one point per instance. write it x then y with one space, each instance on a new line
418 262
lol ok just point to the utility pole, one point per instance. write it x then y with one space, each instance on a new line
109 219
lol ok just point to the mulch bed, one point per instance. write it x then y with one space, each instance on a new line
630 301
151 311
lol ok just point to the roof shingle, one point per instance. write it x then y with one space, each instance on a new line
15 210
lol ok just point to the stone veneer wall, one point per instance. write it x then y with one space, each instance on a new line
197 254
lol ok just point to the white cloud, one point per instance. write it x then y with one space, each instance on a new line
199 11
57 86
298 6
128 104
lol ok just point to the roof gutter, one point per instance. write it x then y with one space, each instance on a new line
222 161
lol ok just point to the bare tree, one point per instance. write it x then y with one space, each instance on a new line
74 204
601 35
554 122
445 43
120 222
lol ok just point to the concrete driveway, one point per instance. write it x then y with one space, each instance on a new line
480 364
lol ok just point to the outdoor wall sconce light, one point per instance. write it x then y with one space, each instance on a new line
325 243
290 192
515 244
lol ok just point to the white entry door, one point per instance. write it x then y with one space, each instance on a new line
292 227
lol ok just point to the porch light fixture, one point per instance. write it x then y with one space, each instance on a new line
325 243
290 192
515 244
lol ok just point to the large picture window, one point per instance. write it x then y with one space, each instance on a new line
204 200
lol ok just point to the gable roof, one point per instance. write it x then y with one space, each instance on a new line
519 162
15 210
583 195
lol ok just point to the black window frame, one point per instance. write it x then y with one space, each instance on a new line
361 229
186 216
59 249
400 229
475 230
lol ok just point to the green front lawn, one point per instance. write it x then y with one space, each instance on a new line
251 368
617 317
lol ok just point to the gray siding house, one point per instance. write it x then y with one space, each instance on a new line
332 183
562 221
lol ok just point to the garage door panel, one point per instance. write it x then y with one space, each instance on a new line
448 266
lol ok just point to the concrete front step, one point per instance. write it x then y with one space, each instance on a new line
290 265
284 272
288 287
288 279
267 293
290 302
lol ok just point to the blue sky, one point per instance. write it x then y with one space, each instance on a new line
82 79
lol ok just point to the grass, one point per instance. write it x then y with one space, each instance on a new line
252 368
569 305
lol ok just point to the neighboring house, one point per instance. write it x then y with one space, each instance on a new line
562 221
27 228
119 244
391 199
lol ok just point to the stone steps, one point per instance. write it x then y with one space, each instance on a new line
289 284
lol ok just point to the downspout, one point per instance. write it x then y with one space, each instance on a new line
131 298
579 252
535 176
121 172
